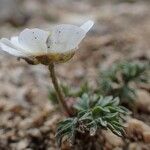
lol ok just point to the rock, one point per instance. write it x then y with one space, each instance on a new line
2 104
34 132
45 129
143 100
22 144
138 146
146 137
40 118
26 123
138 130
15 108
133 146
49 123
112 140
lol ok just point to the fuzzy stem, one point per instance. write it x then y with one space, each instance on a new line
59 93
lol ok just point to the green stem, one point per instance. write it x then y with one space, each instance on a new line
59 93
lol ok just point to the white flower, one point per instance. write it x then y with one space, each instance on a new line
44 46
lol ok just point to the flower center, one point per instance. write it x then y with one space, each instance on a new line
57 57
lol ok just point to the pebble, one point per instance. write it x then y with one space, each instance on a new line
34 132
138 130
22 144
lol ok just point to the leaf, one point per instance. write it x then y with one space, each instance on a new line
65 122
117 132
115 101
98 110
60 137
105 86
116 80
101 122
66 128
86 116
105 101
83 103
110 116
73 133
114 109
83 89
119 128
117 123
125 110
52 96
66 90
103 113
81 113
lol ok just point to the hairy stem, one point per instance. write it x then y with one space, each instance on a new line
59 93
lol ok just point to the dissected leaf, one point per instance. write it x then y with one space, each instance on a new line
83 103
94 112
116 80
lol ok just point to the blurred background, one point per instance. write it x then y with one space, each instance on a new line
121 31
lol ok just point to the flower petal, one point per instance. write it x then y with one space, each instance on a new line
8 47
87 26
34 40
65 38
15 41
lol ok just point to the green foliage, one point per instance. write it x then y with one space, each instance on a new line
68 92
129 1
93 113
52 96
52 93
117 79
66 128
83 89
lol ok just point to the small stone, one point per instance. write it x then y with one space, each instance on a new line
27 123
143 100
138 146
112 140
133 146
146 137
52 121
22 133
34 132
16 109
138 130
45 129
22 144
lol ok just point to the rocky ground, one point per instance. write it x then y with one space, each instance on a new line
122 30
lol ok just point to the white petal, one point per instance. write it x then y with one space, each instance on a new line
15 41
7 46
34 40
87 26
65 38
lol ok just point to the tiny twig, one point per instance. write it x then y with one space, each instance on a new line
59 93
